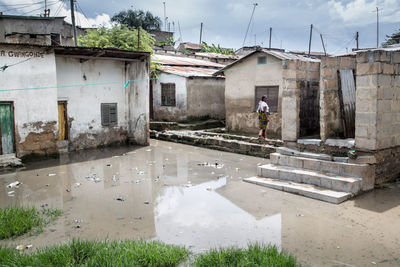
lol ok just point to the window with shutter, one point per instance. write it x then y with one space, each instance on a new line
272 93
109 114
168 94
262 60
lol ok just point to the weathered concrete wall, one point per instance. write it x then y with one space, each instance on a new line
378 110
138 102
206 98
46 26
168 113
300 99
31 86
98 81
330 116
240 83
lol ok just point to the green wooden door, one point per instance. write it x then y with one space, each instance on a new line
7 128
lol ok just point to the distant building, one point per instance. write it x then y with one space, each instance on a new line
57 98
186 89
189 48
312 54
161 37
245 50
37 30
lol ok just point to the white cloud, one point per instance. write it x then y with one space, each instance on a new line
361 12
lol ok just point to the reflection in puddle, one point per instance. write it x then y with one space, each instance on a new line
201 218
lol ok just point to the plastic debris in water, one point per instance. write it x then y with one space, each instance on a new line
44 205
68 190
148 150
109 165
146 202
51 174
120 199
14 184
22 247
209 188
11 193
139 181
77 185
139 218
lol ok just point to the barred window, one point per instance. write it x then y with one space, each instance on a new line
262 60
272 93
109 114
168 94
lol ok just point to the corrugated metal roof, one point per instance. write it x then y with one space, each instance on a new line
274 53
184 61
88 51
192 46
215 55
186 71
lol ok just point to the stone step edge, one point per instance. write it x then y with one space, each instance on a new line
242 138
310 191
324 175
293 152
322 160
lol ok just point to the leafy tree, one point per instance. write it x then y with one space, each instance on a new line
216 49
119 37
392 39
138 18
168 41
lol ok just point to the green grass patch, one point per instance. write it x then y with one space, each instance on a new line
95 253
16 221
254 255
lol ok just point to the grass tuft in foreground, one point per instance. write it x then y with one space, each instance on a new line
16 221
94 253
254 255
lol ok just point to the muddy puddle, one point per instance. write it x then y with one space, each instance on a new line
195 197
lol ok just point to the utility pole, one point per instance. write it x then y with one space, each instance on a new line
46 10
165 18
73 22
138 38
377 27
323 45
309 44
251 18
180 32
270 36
201 31
357 36
255 39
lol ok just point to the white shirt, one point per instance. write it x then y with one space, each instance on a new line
261 106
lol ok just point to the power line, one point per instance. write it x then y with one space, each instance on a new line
25 5
251 18
38 9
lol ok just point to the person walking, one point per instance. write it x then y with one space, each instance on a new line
263 112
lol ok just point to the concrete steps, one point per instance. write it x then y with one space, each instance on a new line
311 191
10 160
318 176
322 179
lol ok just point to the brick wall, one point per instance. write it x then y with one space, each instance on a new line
330 117
378 110
378 100
300 98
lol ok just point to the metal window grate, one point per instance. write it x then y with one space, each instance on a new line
109 114
272 93
168 94
262 60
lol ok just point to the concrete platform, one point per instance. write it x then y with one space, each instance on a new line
299 175
311 191
10 161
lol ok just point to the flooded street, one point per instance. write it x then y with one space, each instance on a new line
195 197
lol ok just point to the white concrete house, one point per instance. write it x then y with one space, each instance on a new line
261 73
186 89
75 97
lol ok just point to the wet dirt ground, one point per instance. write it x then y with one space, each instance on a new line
179 195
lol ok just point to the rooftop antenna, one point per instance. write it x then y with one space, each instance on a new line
251 18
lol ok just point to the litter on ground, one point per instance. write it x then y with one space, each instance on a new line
51 174
14 184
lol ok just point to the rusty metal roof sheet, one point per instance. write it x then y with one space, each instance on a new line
187 71
184 61
215 55
192 46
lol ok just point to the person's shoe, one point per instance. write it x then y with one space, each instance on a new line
265 139
259 137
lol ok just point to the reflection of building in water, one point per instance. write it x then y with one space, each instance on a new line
200 217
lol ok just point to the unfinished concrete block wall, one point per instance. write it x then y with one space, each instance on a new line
378 110
300 99
330 117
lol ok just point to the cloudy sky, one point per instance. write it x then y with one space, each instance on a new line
226 21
